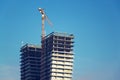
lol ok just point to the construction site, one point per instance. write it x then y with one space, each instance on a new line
52 60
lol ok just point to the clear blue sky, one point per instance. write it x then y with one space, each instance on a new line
95 24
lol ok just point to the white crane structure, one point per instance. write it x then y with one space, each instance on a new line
44 17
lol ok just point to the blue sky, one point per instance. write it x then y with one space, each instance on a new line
95 24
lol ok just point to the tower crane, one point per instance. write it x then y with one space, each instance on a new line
44 17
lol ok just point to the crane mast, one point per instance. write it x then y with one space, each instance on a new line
43 22
43 41
44 17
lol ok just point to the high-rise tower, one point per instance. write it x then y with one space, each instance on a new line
30 62
54 61
57 58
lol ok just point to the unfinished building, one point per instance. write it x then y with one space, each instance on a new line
54 61
57 59
30 62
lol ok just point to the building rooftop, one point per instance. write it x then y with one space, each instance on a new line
60 34
31 45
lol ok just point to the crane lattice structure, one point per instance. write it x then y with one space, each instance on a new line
44 17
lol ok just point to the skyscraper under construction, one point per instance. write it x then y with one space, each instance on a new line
30 62
54 61
57 59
